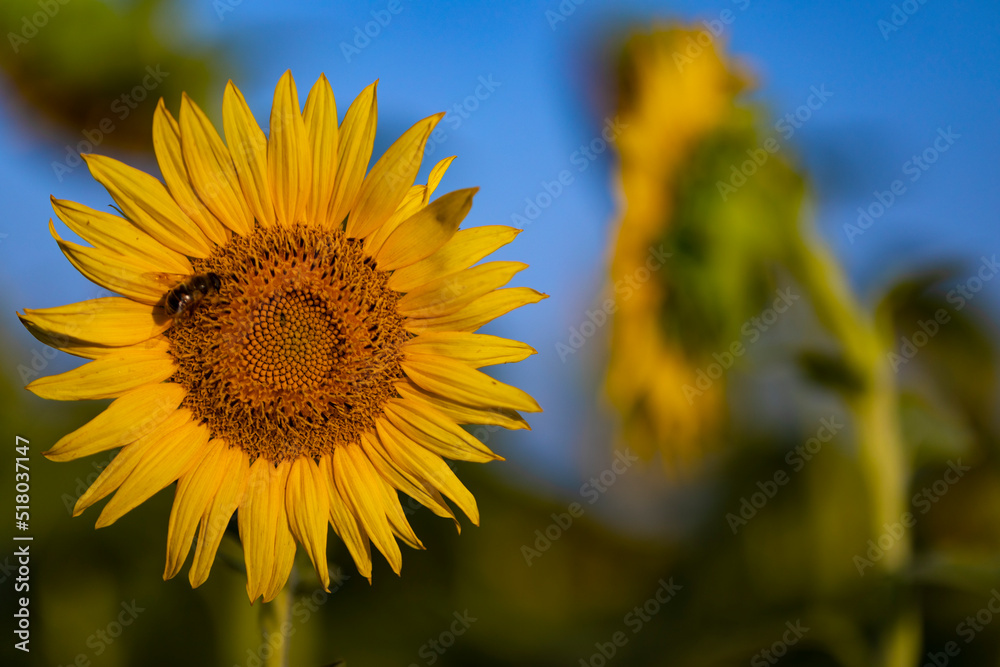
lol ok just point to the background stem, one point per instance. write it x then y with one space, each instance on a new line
874 406
275 618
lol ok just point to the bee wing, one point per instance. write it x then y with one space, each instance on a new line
170 278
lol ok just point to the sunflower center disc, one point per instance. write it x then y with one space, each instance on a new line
299 348
295 342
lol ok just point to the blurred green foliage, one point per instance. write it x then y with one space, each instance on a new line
81 63
728 240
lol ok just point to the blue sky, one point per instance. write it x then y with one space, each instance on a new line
891 93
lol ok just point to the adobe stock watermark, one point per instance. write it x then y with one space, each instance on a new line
591 491
84 483
120 109
39 362
901 13
924 500
482 432
786 126
40 359
223 7
138 428
624 289
967 629
635 620
913 169
363 35
302 612
7 568
562 12
751 330
694 46
581 158
779 649
796 460
461 111
31 24
99 641
436 647
959 297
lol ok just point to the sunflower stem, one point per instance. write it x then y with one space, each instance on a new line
275 621
881 453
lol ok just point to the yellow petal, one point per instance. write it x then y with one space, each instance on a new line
167 145
425 465
81 348
258 553
145 201
308 513
458 382
345 523
483 310
111 321
211 169
412 202
263 523
415 199
413 486
234 469
130 417
400 526
320 117
398 523
467 247
128 458
389 180
365 493
68 345
427 426
477 350
289 163
129 277
109 376
437 173
427 230
161 465
284 559
463 414
195 490
248 148
111 232
86 349
354 150
450 294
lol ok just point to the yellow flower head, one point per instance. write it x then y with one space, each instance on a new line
293 340
676 91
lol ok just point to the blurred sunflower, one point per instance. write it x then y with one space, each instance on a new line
668 103
686 128
316 352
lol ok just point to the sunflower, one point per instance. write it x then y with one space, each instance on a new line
676 90
689 133
317 353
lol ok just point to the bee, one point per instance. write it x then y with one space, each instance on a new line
182 299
